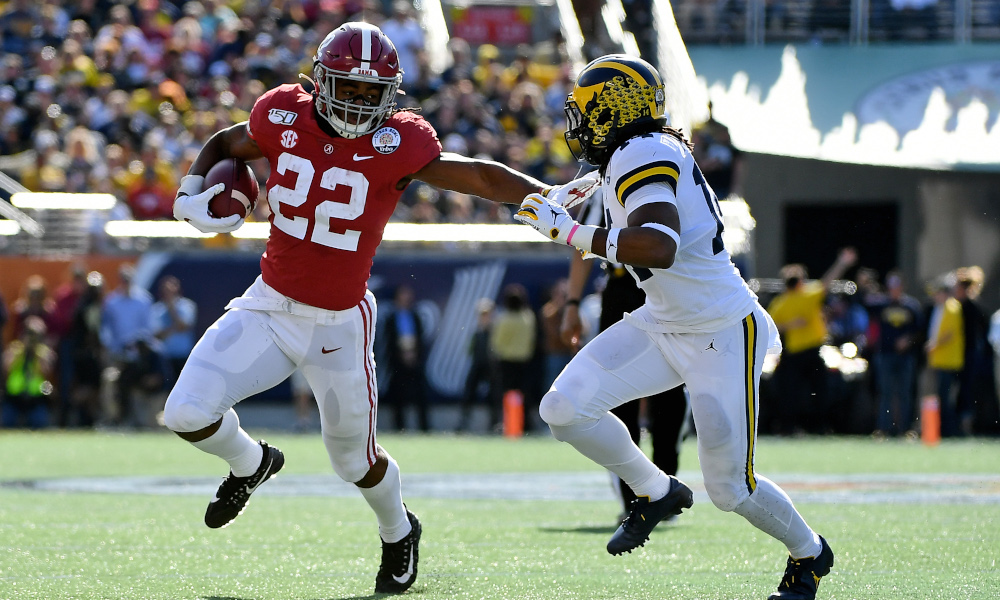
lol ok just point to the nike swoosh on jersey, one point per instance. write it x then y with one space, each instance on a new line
359 157
408 574
325 351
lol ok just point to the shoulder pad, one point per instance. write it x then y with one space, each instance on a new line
644 159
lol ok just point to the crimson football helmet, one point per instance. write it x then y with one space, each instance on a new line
359 52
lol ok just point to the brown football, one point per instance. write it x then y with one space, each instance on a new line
240 195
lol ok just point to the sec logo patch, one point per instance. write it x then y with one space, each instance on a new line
386 140
289 138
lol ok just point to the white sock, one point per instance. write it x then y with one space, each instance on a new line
771 510
386 500
234 446
606 441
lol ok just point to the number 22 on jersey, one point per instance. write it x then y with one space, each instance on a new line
297 226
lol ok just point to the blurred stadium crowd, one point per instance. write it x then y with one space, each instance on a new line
106 97
103 96
99 350
117 97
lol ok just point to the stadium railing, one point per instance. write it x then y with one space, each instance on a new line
836 21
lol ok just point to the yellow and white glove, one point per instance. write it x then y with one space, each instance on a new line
551 220
191 205
573 193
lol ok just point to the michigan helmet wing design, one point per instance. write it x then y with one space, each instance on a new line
615 97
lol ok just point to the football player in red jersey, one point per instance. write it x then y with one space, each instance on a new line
340 158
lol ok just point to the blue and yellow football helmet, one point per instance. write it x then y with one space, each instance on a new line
615 97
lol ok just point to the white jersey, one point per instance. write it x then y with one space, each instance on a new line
702 291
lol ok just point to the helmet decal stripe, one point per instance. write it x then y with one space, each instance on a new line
366 46
661 171
617 66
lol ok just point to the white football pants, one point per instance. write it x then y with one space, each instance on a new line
258 344
722 372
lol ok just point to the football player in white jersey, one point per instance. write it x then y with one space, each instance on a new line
701 325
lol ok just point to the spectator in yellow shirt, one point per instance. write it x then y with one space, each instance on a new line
512 340
945 349
801 374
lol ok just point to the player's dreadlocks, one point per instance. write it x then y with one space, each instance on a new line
679 134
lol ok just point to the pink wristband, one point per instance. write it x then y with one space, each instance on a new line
569 238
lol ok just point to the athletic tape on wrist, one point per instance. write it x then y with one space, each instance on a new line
612 245
191 185
569 238
582 237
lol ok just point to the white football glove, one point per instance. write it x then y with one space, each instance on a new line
573 193
191 205
546 216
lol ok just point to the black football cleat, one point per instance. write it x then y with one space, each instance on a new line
398 570
802 576
234 493
644 515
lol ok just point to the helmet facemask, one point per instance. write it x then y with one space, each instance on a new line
589 134
348 119
575 130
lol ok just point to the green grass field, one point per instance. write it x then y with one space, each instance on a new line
890 540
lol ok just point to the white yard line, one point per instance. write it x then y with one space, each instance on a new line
930 488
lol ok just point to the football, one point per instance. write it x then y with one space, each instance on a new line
240 195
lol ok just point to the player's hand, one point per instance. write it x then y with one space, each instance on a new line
571 329
546 216
573 193
191 205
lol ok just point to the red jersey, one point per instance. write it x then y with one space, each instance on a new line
330 197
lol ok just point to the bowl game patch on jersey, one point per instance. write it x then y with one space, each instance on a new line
386 140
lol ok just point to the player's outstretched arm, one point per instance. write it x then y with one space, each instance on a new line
484 178
649 241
